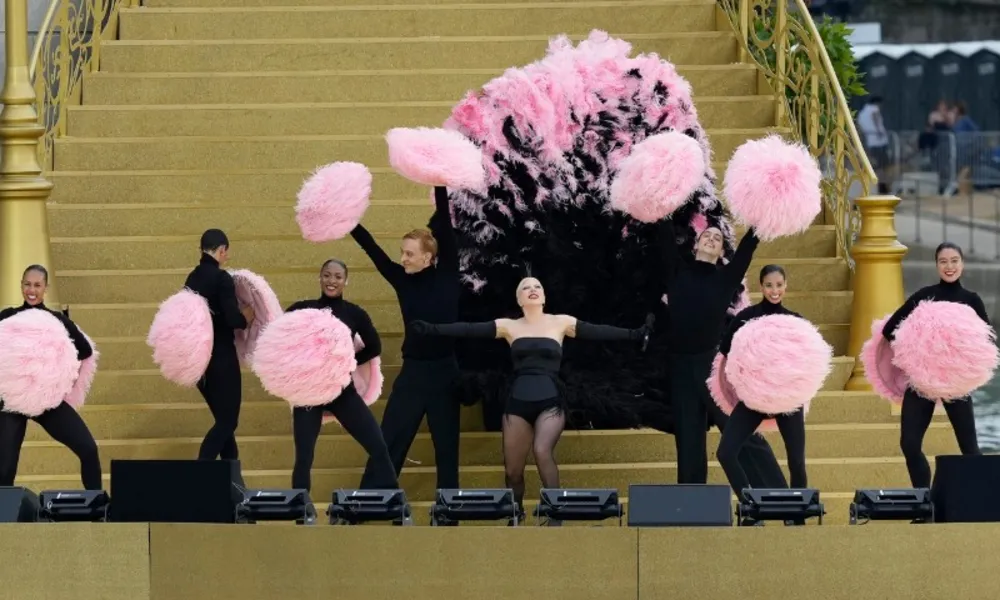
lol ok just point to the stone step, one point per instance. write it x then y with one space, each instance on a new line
531 18
148 252
299 3
481 449
836 474
297 282
198 119
265 152
218 188
415 85
144 56
133 320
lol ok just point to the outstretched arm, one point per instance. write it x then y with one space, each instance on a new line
443 231
391 271
736 270
464 330
607 333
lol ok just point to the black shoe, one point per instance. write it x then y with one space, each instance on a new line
795 522
748 522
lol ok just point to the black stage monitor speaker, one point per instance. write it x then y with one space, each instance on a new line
174 491
966 489
680 506
18 505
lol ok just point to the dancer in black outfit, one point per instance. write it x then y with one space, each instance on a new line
427 292
348 408
918 411
221 385
698 294
743 421
534 416
63 423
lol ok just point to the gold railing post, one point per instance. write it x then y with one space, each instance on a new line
744 30
878 276
24 227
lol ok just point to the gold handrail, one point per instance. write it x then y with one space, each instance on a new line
790 52
67 47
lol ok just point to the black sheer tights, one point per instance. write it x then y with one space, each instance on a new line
540 438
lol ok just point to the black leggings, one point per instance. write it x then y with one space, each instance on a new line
741 427
916 418
66 427
222 388
356 419
692 406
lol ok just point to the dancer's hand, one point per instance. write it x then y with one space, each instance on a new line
420 327
247 313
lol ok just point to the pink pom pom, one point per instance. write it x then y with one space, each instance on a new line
367 380
305 357
658 177
38 362
88 369
437 157
253 291
774 187
724 395
946 350
778 363
181 337
888 381
332 201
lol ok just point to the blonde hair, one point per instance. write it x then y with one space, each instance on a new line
426 239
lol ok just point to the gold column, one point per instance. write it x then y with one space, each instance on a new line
878 276
24 226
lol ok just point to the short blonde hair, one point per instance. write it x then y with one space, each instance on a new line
426 239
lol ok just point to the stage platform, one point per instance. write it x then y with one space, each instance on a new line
246 562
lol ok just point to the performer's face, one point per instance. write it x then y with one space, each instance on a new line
220 254
413 257
530 292
33 287
773 287
710 243
949 265
333 278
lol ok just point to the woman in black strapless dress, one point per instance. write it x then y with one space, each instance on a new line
534 415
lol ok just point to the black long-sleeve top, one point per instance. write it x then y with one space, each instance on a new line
216 286
761 309
699 293
430 295
356 319
942 292
83 348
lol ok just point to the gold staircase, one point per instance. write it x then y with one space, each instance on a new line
210 113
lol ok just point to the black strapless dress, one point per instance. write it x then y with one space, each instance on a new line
535 386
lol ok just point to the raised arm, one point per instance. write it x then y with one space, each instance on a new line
736 270
488 329
230 305
443 231
391 271
369 337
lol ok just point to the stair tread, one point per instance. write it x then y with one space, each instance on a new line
411 7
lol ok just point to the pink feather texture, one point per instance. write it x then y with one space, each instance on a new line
946 350
38 362
333 200
888 381
774 187
367 379
724 395
658 177
181 337
253 290
436 157
305 357
778 363
85 378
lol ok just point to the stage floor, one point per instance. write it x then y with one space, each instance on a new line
245 562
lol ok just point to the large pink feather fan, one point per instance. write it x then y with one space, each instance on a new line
333 200
88 369
437 157
305 357
724 395
946 350
888 381
658 177
778 363
367 379
252 290
774 187
38 362
181 338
